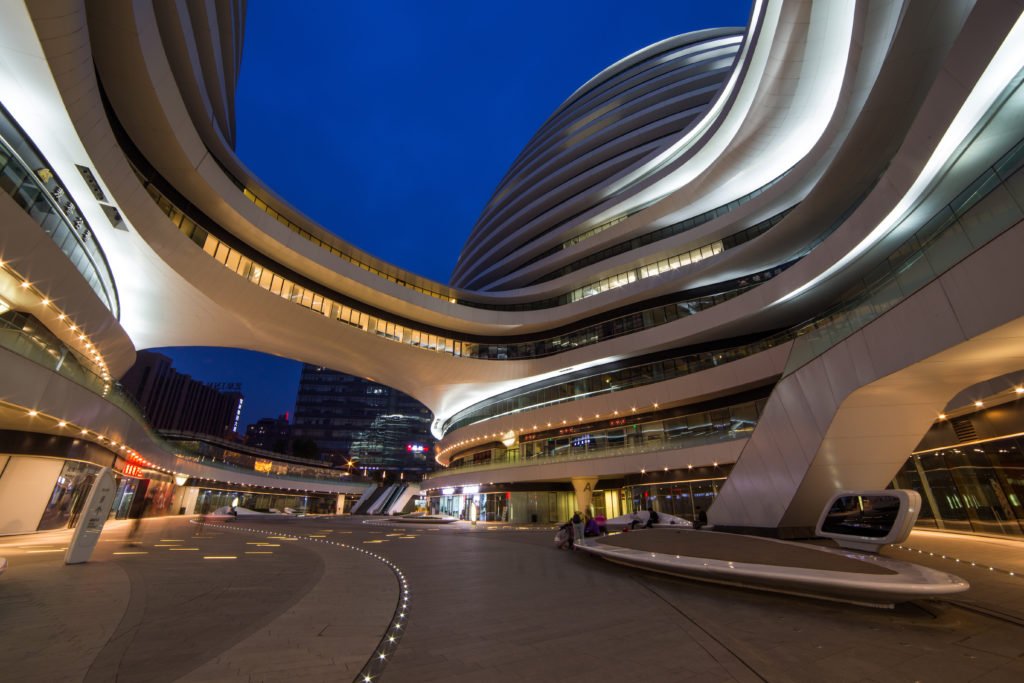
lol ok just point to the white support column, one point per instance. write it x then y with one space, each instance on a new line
584 487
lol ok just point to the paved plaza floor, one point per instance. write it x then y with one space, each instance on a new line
321 599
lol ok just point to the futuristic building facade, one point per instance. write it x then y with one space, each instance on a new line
755 264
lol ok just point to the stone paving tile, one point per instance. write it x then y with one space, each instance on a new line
42 639
485 606
293 646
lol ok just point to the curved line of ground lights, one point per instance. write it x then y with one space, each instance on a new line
374 666
959 560
506 526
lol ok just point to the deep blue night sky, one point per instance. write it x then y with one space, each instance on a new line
391 122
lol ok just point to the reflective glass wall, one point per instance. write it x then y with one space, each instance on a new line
974 488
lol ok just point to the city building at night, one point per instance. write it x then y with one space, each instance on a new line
749 267
355 420
270 433
745 288
175 402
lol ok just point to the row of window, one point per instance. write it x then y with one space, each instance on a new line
687 430
652 236
939 243
305 234
686 258
952 233
287 289
682 64
40 194
607 382
578 294
657 114
704 67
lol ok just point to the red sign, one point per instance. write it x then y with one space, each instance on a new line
131 470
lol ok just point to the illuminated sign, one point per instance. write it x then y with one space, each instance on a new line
447 491
471 489
262 466
238 414
131 470
415 448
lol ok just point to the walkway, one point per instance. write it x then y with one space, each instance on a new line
491 603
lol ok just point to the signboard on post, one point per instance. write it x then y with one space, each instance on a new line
90 524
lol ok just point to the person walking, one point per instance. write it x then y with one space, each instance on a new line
135 533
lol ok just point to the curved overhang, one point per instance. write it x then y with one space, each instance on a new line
806 96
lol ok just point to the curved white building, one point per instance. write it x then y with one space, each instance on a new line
772 253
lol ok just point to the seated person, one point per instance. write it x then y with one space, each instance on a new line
652 518
591 528
563 539
701 520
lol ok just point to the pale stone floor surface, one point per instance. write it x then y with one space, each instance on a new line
487 603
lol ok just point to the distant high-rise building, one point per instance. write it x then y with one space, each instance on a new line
352 418
173 401
393 441
270 434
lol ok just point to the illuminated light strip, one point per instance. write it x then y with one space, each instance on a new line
832 38
1005 65
968 443
96 436
88 352
957 560
220 557
132 455
132 552
393 634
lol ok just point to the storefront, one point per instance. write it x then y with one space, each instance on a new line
972 488
493 504
680 498
200 500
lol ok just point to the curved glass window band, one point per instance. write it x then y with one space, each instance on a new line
27 177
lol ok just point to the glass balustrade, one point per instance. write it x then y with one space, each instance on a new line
986 208
631 436
22 334
27 177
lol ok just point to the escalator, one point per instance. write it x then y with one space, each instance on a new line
365 504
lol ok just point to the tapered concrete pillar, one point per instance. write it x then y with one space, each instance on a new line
584 487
